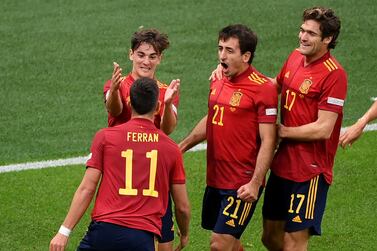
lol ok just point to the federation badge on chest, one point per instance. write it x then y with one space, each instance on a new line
305 86
236 98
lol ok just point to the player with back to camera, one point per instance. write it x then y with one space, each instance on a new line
146 53
137 165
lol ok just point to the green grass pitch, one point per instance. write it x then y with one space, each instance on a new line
56 56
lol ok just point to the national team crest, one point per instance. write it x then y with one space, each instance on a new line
236 98
305 86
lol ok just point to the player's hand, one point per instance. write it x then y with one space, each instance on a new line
351 134
172 91
183 241
59 242
217 73
248 192
116 78
281 131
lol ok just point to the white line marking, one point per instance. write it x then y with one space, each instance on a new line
82 160
44 164
66 162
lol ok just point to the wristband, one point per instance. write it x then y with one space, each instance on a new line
64 231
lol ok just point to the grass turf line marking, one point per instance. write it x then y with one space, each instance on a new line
82 160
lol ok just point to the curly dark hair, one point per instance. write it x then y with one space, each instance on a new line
158 40
329 22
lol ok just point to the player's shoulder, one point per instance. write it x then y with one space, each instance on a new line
330 64
257 78
167 141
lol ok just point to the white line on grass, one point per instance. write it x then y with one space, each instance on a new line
82 160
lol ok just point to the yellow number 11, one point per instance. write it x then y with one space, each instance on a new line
128 154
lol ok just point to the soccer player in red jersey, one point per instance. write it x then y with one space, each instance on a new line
313 88
147 46
241 132
137 165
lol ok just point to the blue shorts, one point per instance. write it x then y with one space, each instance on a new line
167 231
103 236
300 204
224 213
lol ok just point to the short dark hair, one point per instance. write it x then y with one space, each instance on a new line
247 38
329 22
158 40
144 94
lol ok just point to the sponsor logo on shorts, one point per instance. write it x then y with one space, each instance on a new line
230 223
297 219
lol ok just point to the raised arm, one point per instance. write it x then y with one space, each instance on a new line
182 212
113 100
197 135
317 130
80 202
249 192
355 131
169 117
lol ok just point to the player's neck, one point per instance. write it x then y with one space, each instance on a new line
148 116
310 59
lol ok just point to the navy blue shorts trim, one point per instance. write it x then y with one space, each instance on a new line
300 204
103 236
224 213
167 231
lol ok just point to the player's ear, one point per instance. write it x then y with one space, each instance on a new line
130 54
327 40
158 106
246 56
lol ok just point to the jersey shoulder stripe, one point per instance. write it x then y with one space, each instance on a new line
257 79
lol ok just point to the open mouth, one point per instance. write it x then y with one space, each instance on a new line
224 65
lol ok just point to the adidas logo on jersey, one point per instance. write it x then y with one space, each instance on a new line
287 74
230 223
297 219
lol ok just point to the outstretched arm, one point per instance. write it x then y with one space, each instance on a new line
197 135
169 116
80 202
355 131
113 100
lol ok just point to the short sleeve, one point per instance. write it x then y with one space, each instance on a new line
106 88
334 92
267 103
96 151
177 175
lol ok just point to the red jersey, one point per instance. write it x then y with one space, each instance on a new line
139 163
235 110
321 85
125 97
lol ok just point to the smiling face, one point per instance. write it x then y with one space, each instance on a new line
230 57
144 61
312 45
